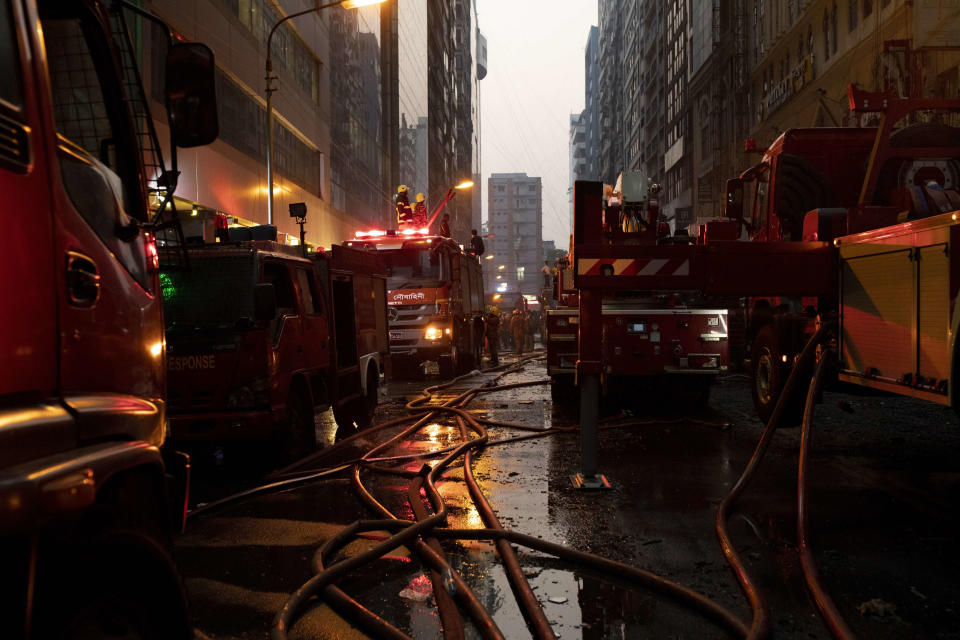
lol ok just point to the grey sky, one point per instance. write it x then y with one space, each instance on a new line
534 82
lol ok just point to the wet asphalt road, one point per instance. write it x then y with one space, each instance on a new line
884 480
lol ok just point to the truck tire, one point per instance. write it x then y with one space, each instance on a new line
111 574
447 363
130 589
297 435
367 406
465 354
768 374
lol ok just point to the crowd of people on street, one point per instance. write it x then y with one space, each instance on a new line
514 331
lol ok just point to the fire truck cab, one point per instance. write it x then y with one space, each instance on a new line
87 506
259 337
435 298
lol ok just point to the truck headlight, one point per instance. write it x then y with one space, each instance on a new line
240 398
433 333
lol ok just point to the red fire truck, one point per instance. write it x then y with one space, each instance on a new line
676 337
824 183
877 257
435 298
85 527
259 337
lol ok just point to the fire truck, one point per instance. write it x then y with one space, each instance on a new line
435 298
852 224
677 337
88 501
852 187
260 337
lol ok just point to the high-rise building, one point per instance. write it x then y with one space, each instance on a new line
229 176
357 153
675 199
801 58
591 109
610 71
481 68
515 209
578 160
719 92
642 70
431 101
467 66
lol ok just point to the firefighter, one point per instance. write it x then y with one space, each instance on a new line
518 326
404 212
476 245
491 321
420 212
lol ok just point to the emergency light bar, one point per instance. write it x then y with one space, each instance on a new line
379 233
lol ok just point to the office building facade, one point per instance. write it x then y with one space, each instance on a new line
515 209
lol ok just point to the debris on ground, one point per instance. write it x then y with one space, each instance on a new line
557 599
878 607
413 596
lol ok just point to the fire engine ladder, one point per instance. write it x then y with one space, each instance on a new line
604 263
161 182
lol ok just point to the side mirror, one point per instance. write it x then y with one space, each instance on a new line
733 204
264 302
191 94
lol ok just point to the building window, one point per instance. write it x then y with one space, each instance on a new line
853 15
287 50
520 273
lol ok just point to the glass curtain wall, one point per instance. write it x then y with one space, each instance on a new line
357 140
412 67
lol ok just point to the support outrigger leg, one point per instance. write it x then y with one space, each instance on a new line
588 377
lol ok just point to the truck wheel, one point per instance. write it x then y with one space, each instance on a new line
367 406
447 363
297 435
768 375
465 361
131 589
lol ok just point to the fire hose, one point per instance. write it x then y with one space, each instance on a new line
419 536
423 535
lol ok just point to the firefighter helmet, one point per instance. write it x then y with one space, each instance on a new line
421 197
402 189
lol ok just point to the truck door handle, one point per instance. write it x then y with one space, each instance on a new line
83 280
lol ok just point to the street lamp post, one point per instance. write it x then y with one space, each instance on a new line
268 67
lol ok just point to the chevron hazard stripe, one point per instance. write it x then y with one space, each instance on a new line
638 267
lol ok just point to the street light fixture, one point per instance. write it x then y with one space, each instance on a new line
268 67
464 184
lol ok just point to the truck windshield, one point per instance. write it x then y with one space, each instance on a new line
410 268
216 292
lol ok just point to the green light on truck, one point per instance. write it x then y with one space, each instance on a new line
167 288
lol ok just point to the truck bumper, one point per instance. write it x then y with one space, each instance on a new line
222 426
420 353
67 482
